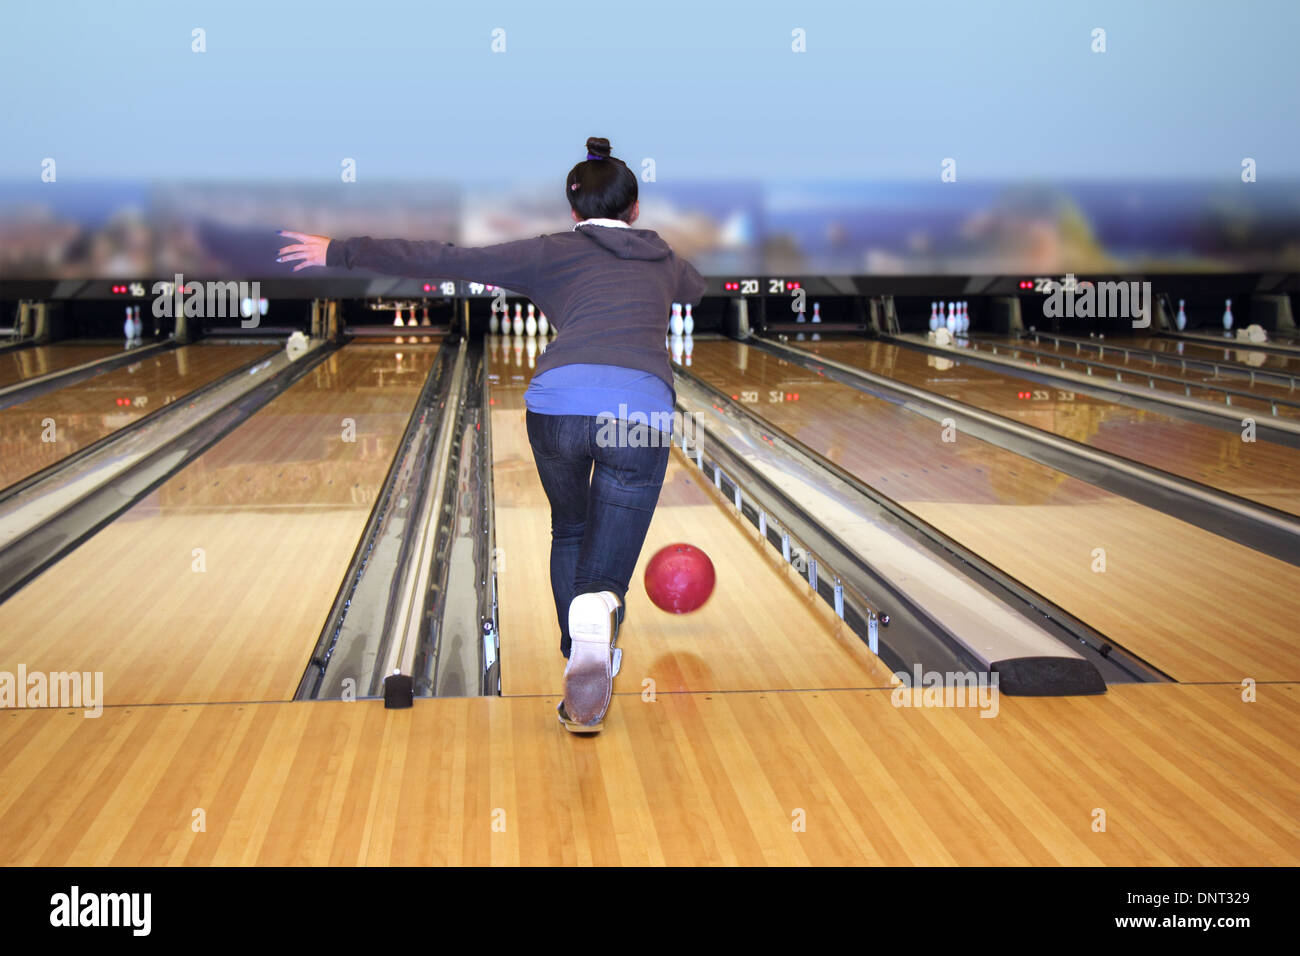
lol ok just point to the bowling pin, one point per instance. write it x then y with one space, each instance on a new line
424 316
688 324
129 328
532 350
817 312
139 326
965 316
1181 321
519 319
678 346
677 324
543 327
951 324
688 346
493 324
397 320
531 325
1227 316
934 316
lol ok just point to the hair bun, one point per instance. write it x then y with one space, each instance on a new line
598 146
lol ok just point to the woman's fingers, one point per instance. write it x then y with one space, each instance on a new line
309 250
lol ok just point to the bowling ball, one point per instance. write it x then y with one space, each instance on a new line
296 346
679 578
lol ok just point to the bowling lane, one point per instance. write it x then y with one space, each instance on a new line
84 413
1139 365
1261 471
21 365
761 630
1197 606
215 586
1232 351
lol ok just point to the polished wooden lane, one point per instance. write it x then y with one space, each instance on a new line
215 586
1196 605
1237 353
1261 471
1183 774
1135 366
762 628
81 414
27 363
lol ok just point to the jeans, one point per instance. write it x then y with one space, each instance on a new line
603 486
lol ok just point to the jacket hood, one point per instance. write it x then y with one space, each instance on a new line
627 243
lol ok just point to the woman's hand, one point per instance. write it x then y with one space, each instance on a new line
308 251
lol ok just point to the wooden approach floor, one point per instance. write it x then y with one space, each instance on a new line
1184 774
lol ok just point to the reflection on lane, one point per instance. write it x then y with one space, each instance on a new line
1230 351
326 442
37 433
891 448
1259 470
1116 354
23 364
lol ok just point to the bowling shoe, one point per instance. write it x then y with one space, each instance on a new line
594 659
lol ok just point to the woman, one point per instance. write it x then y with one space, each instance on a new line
608 289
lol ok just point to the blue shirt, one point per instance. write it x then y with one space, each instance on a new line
601 390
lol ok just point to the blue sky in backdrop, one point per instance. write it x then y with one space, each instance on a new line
1011 90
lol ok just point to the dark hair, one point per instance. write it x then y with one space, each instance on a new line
601 187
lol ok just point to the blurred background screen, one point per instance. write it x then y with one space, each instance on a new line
154 156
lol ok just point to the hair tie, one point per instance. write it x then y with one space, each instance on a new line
573 187
594 156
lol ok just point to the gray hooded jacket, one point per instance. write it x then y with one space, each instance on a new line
608 291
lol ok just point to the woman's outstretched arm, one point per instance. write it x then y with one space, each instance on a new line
513 265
